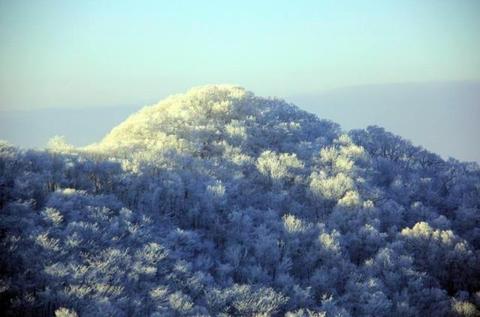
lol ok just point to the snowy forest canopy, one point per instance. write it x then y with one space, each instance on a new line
221 203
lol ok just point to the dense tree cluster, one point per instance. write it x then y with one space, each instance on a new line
218 202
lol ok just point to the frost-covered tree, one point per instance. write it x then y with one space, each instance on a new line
218 202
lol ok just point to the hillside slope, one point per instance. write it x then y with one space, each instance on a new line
218 202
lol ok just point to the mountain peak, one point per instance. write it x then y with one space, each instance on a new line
214 114
217 90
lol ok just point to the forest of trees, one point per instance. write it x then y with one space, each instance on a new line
221 203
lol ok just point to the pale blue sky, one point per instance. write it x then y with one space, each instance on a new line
92 53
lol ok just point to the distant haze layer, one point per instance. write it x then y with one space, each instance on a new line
442 117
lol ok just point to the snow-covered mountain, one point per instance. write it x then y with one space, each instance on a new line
218 202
